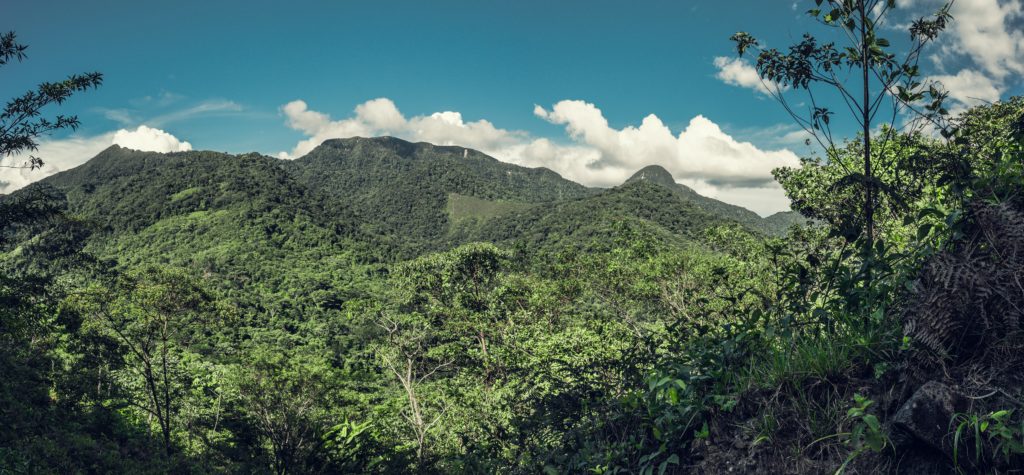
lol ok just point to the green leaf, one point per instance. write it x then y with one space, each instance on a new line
875 441
924 231
872 422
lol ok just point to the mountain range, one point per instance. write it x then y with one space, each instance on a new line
396 197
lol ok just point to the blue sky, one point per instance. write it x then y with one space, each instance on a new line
218 74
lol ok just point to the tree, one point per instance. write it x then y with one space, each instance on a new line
20 121
154 314
886 83
284 404
441 310
408 354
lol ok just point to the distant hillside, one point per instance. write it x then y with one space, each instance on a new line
778 223
239 218
583 219
127 190
394 197
401 189
775 224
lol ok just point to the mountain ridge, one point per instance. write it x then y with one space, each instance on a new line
774 224
398 194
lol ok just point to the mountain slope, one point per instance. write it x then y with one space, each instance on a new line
241 220
394 197
400 189
577 221
127 190
773 225
778 223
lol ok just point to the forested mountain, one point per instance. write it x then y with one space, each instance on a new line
775 224
127 190
380 306
401 190
581 219
288 252
398 197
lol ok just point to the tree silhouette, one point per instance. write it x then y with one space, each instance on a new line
20 121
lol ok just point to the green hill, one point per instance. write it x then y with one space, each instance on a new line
394 197
400 190
773 225
241 220
580 220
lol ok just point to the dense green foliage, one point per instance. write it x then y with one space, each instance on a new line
400 190
386 307
776 224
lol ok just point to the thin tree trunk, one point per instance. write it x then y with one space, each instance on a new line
869 205
167 391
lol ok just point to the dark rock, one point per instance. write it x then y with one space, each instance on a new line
924 419
923 462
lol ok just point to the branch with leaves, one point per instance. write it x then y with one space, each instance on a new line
20 121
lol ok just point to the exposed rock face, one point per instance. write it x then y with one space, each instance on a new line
923 421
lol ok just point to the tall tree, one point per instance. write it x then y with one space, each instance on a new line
439 325
886 82
284 404
155 315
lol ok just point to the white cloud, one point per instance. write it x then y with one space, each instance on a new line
986 32
150 140
701 155
381 117
738 72
969 87
63 154
985 45
701 151
978 58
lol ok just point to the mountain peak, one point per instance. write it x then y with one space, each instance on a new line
400 147
654 174
394 144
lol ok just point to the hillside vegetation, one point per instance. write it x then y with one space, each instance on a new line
379 306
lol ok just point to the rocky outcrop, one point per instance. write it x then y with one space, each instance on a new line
922 424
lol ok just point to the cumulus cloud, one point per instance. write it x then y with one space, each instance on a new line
702 151
382 117
989 32
969 87
149 139
978 58
738 72
984 44
701 156
63 154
